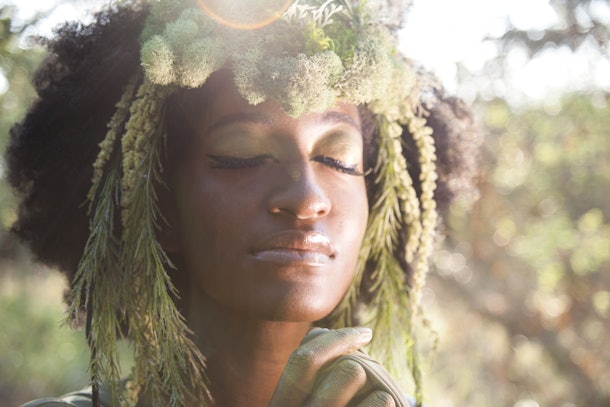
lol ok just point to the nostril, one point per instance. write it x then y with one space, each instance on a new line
302 209
301 213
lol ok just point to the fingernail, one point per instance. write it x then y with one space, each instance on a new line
316 329
365 334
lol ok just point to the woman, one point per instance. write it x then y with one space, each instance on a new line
262 190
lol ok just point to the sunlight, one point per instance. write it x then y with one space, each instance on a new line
441 41
233 14
3 83
458 36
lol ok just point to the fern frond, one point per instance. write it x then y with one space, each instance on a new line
169 366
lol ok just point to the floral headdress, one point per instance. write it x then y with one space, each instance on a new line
309 55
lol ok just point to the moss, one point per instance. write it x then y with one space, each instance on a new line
302 83
201 59
158 61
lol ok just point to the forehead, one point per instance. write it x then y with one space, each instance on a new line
225 104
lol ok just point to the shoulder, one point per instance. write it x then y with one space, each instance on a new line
81 398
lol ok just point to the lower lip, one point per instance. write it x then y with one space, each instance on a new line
293 257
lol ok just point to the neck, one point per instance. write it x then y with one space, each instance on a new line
245 355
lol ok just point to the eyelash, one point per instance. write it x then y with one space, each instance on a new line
337 165
228 162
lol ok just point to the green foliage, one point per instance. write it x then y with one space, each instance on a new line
144 294
158 330
33 346
38 355
16 68
555 171
532 263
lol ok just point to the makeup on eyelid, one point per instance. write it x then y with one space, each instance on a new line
237 143
245 150
342 148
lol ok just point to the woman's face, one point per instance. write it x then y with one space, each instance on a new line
270 210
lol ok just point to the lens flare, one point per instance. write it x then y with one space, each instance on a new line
245 14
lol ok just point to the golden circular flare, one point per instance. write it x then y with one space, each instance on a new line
245 14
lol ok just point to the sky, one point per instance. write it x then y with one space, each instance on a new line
443 33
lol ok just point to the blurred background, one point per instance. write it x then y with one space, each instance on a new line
520 288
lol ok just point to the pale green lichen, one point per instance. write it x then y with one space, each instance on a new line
182 55
301 83
201 59
158 61
162 12
246 71
319 52
181 33
369 76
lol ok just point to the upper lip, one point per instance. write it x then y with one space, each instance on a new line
307 241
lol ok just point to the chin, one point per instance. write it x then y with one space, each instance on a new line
299 315
297 307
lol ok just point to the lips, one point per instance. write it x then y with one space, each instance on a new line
295 247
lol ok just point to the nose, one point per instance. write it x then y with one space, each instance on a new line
299 194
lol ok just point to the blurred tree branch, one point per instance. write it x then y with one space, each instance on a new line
519 321
539 242
579 23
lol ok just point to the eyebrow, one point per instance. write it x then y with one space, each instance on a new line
331 116
243 117
336 117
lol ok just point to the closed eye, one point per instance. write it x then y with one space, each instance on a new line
229 162
338 165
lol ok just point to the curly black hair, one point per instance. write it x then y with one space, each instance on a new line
52 149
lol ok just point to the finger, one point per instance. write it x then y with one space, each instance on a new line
342 381
313 333
378 399
297 380
324 346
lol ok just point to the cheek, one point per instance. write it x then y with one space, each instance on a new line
203 214
211 217
347 222
350 205
209 248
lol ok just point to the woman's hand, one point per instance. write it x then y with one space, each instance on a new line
315 374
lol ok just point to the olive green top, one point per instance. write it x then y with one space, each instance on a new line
375 372
81 398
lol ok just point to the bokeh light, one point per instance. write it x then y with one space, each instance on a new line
245 14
